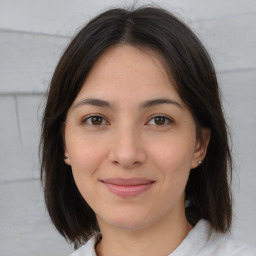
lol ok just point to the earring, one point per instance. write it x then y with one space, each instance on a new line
187 203
199 162
65 157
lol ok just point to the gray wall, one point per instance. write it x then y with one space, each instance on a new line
32 36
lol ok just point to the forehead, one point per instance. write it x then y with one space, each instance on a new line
125 68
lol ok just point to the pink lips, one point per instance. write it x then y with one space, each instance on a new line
127 187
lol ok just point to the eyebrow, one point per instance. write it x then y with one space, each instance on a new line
146 104
155 102
94 102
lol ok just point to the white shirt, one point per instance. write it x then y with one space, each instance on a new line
202 240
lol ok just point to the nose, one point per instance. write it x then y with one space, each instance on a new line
127 148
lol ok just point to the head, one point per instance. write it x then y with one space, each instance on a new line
175 51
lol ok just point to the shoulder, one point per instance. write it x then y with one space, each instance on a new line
228 245
219 244
87 249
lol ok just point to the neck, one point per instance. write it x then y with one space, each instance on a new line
160 239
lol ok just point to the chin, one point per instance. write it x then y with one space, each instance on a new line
126 221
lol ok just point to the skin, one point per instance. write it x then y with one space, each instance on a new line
125 141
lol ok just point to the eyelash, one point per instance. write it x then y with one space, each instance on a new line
85 120
167 120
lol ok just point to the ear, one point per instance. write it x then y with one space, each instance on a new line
201 148
66 156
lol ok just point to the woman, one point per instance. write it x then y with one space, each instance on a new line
135 152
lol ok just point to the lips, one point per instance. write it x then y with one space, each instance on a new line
128 187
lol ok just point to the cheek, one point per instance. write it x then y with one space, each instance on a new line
86 155
172 158
85 161
173 153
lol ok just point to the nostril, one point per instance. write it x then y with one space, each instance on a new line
126 152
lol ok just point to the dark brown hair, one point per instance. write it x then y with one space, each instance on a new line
188 64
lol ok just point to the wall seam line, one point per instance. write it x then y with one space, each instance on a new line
18 119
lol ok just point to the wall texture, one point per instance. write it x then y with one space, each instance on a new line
32 36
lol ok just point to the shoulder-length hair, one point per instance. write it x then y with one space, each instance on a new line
189 66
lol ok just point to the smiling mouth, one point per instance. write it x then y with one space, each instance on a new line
128 187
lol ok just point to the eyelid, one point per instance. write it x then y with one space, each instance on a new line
84 119
168 118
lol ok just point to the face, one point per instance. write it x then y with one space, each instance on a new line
131 141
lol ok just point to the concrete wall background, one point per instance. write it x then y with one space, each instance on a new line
32 36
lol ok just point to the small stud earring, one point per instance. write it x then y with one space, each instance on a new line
199 162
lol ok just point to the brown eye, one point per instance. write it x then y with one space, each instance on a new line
159 121
94 121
